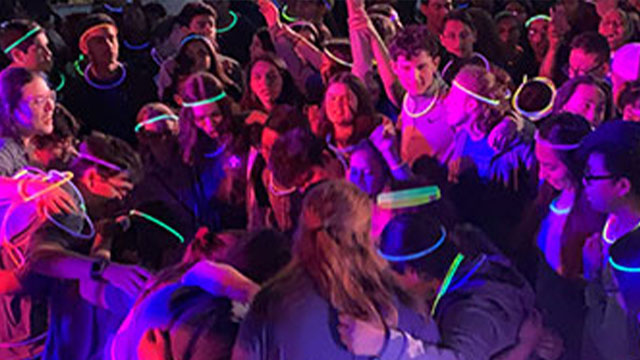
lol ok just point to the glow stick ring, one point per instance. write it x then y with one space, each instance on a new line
286 16
535 115
623 268
85 35
564 147
277 192
447 281
216 98
157 222
99 161
163 117
335 58
156 56
423 112
131 46
231 25
22 39
193 37
536 18
484 99
216 153
419 254
113 85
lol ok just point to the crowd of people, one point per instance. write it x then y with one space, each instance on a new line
320 179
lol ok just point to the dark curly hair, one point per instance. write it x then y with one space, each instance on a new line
413 39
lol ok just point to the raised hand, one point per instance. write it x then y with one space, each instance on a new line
128 278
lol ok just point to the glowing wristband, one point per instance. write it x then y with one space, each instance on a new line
535 115
623 268
131 46
286 16
101 162
484 99
335 58
163 117
63 81
556 210
536 18
157 222
234 21
565 147
66 177
216 98
24 37
409 198
76 65
447 281
419 254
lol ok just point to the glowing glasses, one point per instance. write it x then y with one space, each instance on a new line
16 43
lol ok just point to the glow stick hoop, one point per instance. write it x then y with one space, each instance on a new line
163 117
335 58
24 37
535 115
419 254
157 222
216 98
131 46
63 81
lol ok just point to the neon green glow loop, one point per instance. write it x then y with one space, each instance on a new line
447 281
286 16
219 97
537 17
230 26
157 222
29 34
163 117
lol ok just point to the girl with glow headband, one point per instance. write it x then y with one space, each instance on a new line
530 95
540 17
428 262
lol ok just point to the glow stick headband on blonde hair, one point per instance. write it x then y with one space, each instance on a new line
565 147
484 99
535 115
155 119
22 39
536 18
216 98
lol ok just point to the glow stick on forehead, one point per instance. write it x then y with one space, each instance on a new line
484 99
419 254
193 37
566 147
212 100
163 117
157 222
89 31
409 198
101 162
536 18
22 39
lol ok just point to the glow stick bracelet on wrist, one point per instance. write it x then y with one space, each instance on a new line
535 18
216 98
447 281
163 117
157 222
419 254
16 43
408 198
233 23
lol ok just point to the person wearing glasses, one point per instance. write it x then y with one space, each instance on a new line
26 45
589 55
612 186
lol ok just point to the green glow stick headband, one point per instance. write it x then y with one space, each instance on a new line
623 268
157 222
535 115
24 37
234 21
484 99
163 117
409 198
447 281
216 98
536 18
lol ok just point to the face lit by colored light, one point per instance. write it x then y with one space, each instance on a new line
584 63
341 105
509 31
458 39
103 47
614 27
204 25
457 103
209 119
34 113
435 11
200 56
604 195
366 171
552 169
415 74
589 101
38 56
537 36
631 112
266 82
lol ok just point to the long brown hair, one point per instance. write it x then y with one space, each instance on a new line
332 245
12 80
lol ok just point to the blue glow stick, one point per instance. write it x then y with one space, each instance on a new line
419 254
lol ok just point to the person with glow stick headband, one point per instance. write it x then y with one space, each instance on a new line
102 97
612 182
466 285
475 105
25 43
333 252
586 96
537 29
